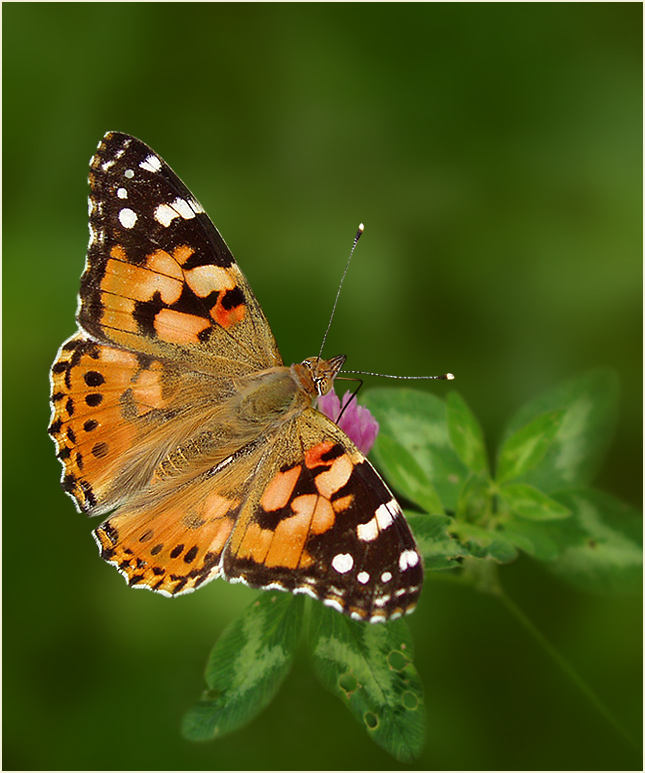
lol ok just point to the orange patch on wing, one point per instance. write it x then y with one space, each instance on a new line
255 543
118 253
118 314
126 363
313 457
343 503
216 506
219 531
277 493
163 263
324 516
139 283
179 328
182 253
148 387
332 480
203 280
290 535
228 317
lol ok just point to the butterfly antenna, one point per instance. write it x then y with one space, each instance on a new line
445 377
361 228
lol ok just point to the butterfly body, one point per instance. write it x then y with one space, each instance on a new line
173 412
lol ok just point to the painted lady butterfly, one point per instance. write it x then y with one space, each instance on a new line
172 410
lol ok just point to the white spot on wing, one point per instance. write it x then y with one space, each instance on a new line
363 577
273 586
165 214
127 217
151 164
183 208
333 604
383 517
306 589
386 513
129 174
342 563
386 576
408 559
367 532
122 193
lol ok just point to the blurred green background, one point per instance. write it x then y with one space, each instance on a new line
493 152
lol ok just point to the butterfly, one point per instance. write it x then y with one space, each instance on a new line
174 416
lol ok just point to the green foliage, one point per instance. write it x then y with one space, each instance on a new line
537 501
600 546
579 446
465 519
466 434
417 422
246 667
369 667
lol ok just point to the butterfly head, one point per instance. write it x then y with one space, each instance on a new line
323 372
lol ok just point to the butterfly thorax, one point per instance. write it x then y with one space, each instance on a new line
259 405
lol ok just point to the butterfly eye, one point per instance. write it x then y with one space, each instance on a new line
323 385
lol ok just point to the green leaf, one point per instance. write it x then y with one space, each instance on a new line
528 502
577 451
440 550
484 543
417 421
246 667
526 447
369 667
466 434
405 475
530 537
474 503
601 544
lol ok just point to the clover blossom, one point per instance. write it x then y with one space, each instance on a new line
356 422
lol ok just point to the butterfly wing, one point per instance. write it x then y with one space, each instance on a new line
301 511
166 319
159 278
324 523
171 539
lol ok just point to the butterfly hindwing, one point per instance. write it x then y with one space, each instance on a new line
102 400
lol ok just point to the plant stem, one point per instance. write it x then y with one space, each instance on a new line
566 667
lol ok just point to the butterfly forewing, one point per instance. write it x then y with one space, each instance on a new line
159 279
324 523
